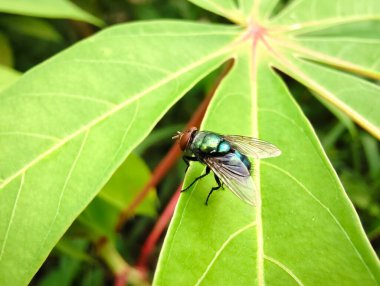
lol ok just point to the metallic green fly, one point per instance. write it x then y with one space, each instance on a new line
227 156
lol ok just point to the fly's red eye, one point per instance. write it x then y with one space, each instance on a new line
186 138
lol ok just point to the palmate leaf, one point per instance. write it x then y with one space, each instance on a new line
343 91
68 124
301 14
227 9
304 230
356 55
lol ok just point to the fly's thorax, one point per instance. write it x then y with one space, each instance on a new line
208 143
197 142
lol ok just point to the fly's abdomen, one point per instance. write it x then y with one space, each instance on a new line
224 147
244 159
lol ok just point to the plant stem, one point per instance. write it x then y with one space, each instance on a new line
160 226
122 271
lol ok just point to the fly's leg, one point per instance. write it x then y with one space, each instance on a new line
187 160
220 185
196 179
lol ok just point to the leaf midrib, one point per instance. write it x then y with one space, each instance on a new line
309 53
255 132
303 27
12 217
335 219
286 66
114 110
222 247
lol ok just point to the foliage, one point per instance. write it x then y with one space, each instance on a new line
68 127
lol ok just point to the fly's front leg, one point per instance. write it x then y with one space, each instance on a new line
187 160
220 185
196 179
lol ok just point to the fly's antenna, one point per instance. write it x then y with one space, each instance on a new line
179 134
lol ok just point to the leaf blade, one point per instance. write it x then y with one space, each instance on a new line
303 14
293 201
227 9
341 93
8 76
351 54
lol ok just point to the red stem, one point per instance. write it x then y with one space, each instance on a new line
171 157
154 236
121 279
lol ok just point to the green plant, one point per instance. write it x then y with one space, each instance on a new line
69 123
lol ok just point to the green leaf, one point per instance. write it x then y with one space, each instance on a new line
67 125
341 90
48 9
158 136
225 8
6 53
102 215
372 151
300 14
69 246
303 230
66 270
95 277
266 8
361 30
32 27
8 76
352 54
238 11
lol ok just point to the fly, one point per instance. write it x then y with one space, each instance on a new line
227 156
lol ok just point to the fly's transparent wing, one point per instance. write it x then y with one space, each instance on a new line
235 175
252 147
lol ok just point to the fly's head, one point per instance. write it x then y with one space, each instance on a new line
185 138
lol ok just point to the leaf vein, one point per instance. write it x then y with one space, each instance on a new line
67 95
303 187
222 247
301 51
124 62
117 108
182 35
29 134
67 180
127 129
329 22
293 70
180 220
283 267
12 216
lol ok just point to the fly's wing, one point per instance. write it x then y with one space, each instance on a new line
252 147
235 175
